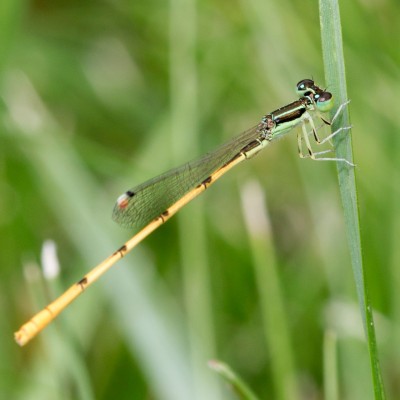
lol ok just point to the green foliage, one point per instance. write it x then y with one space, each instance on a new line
99 96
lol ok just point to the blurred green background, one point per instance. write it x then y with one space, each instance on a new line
98 96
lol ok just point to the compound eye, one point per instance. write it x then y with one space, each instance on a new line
324 101
305 85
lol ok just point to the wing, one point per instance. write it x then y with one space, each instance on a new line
143 203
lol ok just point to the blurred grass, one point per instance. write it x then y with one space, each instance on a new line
241 390
94 99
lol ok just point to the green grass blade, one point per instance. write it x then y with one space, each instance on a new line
272 301
331 390
336 81
240 388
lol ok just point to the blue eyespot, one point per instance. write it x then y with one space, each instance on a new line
304 86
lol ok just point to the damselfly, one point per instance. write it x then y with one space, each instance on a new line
149 205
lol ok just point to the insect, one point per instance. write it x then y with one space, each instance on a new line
149 205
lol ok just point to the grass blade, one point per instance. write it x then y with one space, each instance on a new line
239 387
272 300
336 81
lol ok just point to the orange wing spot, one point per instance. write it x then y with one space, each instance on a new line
123 200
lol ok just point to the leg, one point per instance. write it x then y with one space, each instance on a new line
334 159
333 134
328 138
300 136
311 154
338 111
300 145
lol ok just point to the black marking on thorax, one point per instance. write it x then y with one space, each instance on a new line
290 112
